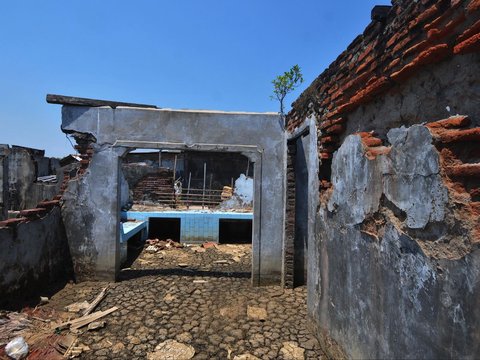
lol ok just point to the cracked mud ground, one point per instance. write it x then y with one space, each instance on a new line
158 300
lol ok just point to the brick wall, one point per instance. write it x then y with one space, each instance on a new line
156 187
289 253
411 37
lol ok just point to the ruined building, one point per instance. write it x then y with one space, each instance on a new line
368 192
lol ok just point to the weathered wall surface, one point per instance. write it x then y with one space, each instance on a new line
394 271
34 255
25 165
398 271
91 204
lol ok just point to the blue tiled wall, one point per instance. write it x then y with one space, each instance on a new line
195 226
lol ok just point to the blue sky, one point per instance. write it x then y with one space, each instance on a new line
209 54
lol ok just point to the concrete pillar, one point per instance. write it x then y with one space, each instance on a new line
91 214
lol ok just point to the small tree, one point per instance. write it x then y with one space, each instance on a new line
286 83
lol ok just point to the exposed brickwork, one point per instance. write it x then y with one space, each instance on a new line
290 219
156 187
460 159
414 34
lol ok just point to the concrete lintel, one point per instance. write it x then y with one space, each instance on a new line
184 146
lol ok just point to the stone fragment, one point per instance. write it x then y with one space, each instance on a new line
256 313
77 307
169 297
96 325
291 351
171 350
246 357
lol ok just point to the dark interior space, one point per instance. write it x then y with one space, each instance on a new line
164 228
134 248
235 231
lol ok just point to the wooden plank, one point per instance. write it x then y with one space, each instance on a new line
95 302
85 320
78 101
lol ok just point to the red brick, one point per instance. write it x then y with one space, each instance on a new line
392 64
365 134
371 91
31 212
325 155
401 45
396 37
472 30
470 45
347 107
48 204
12 222
450 123
372 141
372 153
328 123
474 5
424 16
438 33
464 170
442 18
449 136
335 129
209 245
422 45
433 54
328 139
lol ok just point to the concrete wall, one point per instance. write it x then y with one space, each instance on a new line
25 165
34 256
91 204
397 271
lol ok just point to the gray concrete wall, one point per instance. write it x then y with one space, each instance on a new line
25 165
258 136
34 255
395 271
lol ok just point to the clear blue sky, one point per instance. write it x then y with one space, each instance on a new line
209 54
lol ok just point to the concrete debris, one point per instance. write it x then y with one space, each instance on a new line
96 325
172 350
256 313
291 351
199 249
17 348
151 249
77 307
182 265
163 244
236 259
44 300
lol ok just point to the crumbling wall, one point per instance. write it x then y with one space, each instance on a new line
34 256
399 263
25 165
395 266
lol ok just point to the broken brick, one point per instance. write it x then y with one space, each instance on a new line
450 123
470 45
